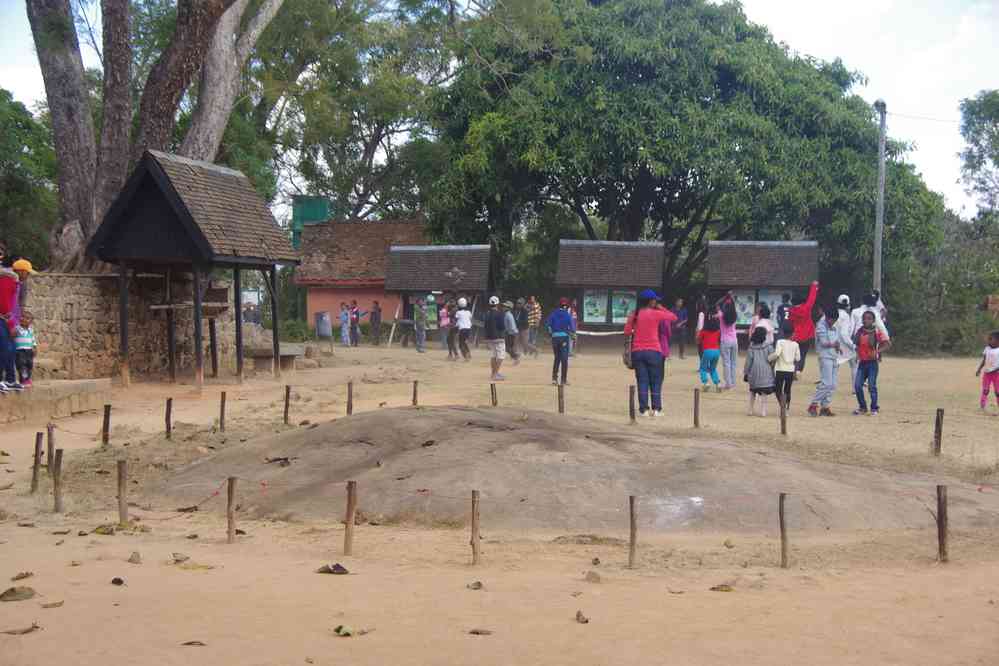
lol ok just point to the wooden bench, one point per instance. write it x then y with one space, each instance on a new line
263 357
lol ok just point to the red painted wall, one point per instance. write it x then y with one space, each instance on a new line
319 299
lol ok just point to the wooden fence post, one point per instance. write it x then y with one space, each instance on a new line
697 408
348 532
123 492
631 403
37 461
50 450
416 392
287 403
494 397
222 412
942 555
57 481
350 398
938 433
169 418
475 527
230 509
106 426
632 541
783 531
561 398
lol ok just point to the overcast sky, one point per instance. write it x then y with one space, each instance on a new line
921 56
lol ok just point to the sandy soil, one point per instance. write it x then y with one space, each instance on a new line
854 595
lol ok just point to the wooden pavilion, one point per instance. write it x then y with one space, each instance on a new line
177 215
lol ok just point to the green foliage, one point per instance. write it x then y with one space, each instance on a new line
28 206
980 159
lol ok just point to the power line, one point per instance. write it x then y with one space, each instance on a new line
926 118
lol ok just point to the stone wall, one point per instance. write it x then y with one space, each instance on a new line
76 324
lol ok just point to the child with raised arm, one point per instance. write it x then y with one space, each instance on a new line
988 369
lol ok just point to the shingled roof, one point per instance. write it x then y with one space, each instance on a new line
353 253
438 268
176 209
609 264
762 263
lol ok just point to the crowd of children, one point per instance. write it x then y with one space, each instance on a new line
17 335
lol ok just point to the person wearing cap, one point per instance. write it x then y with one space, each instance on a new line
646 326
9 285
463 321
844 329
494 327
562 328
511 332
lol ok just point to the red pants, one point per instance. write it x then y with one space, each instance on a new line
990 379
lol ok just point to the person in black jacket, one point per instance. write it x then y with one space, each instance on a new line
495 330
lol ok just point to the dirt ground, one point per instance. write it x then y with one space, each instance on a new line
858 592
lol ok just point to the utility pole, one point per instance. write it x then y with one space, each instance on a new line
879 219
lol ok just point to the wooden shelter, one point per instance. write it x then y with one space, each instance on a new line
180 215
606 276
760 271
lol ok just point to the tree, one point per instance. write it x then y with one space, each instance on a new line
27 181
680 122
980 159
93 162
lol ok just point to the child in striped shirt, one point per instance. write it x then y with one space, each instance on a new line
24 349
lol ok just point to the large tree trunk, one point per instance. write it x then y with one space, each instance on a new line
72 126
174 70
116 121
220 77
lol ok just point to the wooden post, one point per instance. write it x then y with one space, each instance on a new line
230 510
213 346
169 418
123 492
106 426
37 461
350 398
348 532
237 297
171 328
287 403
633 539
416 392
631 404
782 406
938 433
275 315
942 522
50 448
394 320
57 481
475 527
783 530
126 378
494 398
561 398
199 344
697 408
222 412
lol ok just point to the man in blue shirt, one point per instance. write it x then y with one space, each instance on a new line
562 329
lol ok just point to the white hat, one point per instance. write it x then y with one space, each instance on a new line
843 299
494 300
462 302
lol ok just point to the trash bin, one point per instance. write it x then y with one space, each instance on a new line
324 325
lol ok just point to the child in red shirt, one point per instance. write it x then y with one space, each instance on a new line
870 342
709 339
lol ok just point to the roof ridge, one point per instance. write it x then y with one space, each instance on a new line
179 159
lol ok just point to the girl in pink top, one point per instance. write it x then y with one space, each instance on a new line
729 339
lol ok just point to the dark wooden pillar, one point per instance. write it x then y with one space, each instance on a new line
213 346
171 322
126 377
274 321
199 344
237 298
